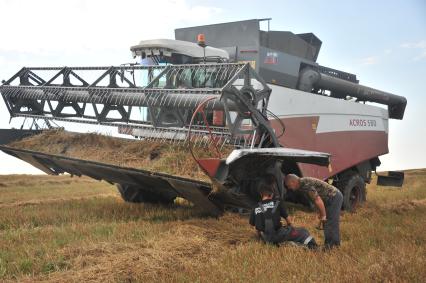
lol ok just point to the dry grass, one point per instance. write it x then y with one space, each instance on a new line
147 155
76 229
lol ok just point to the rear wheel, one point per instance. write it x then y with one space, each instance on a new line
353 189
138 195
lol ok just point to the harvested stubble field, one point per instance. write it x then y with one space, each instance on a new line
78 230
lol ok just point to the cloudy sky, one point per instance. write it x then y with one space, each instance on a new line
383 42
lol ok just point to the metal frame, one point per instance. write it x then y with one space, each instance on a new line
174 93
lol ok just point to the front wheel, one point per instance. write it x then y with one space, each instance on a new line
353 190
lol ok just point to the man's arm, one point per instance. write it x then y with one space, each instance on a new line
253 223
321 208
284 214
251 219
316 199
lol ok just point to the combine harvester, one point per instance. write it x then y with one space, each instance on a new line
260 92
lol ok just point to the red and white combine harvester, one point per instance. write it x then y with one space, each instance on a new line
232 84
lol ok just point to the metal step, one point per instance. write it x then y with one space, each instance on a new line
393 179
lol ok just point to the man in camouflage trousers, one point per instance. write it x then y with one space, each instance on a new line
327 198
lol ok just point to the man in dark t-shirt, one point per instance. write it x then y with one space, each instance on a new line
327 198
265 209
266 218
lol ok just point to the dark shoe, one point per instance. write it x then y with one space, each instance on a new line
329 247
312 245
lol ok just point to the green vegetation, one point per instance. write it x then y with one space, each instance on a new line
77 229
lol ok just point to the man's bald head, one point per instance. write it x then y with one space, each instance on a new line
292 181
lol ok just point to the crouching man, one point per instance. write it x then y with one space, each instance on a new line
327 198
266 218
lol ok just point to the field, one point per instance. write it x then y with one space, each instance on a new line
77 229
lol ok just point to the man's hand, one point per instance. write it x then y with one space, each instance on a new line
258 234
289 222
322 221
322 218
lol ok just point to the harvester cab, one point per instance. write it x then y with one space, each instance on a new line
177 52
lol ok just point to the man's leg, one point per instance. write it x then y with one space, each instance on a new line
282 234
297 235
332 226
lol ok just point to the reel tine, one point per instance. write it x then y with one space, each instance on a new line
164 136
150 135
198 141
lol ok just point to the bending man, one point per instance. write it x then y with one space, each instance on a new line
327 198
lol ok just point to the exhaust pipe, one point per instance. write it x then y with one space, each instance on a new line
310 79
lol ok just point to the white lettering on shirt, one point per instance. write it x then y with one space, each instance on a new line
265 207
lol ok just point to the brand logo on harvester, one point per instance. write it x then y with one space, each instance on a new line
271 58
362 123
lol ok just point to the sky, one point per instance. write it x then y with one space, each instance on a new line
382 42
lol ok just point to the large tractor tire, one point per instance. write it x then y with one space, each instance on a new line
353 189
137 195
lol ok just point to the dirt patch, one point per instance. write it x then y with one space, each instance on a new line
2 185
402 207
148 155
